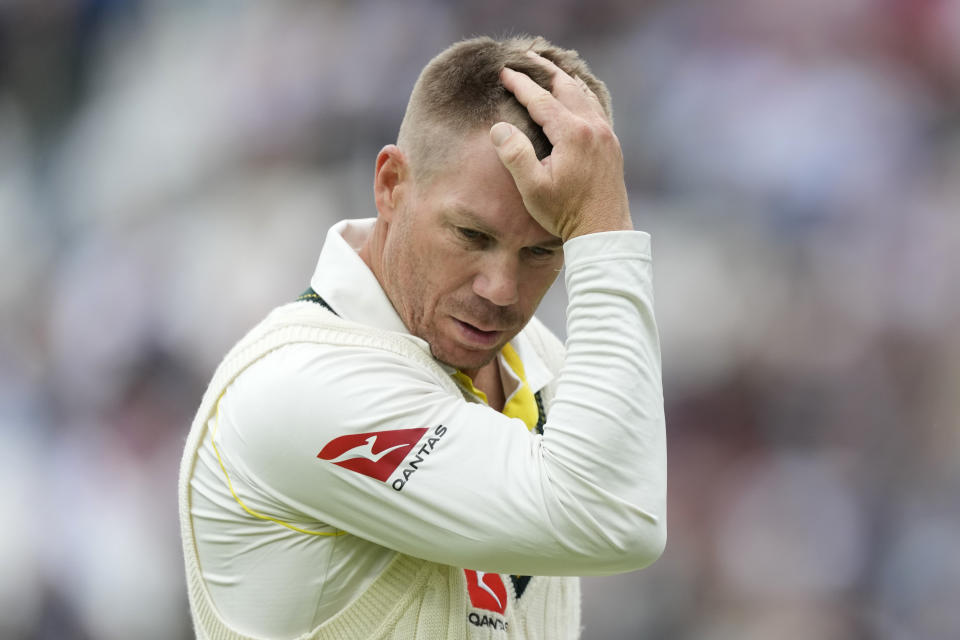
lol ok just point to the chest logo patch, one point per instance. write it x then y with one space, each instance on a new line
486 590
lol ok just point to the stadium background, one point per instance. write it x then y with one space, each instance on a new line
168 171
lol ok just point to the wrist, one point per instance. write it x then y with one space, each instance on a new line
598 224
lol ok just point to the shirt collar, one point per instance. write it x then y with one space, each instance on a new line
538 374
345 281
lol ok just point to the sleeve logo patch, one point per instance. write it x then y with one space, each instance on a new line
376 454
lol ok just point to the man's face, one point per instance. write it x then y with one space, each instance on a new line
463 262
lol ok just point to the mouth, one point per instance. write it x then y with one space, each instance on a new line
475 336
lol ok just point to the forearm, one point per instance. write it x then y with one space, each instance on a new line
606 426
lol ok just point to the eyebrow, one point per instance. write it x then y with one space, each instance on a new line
469 217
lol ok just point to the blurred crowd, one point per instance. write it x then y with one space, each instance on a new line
168 171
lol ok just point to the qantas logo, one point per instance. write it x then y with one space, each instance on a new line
486 587
376 454
486 590
365 452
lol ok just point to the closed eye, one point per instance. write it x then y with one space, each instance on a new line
541 252
472 235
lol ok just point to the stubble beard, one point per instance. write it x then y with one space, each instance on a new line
447 348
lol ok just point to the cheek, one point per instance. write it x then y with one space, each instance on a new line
452 271
426 284
404 271
414 277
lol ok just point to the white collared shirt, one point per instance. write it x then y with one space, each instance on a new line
488 495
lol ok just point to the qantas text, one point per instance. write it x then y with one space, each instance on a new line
488 621
412 466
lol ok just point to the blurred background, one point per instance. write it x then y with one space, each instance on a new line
168 171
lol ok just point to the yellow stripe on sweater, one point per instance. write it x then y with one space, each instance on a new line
255 514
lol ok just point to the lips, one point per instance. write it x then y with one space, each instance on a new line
474 335
479 327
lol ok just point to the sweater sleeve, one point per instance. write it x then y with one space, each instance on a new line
369 443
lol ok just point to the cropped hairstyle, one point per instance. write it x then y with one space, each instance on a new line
459 92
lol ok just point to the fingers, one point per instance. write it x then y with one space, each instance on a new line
591 96
517 155
571 91
568 89
540 103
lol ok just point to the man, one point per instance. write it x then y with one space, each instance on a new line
397 453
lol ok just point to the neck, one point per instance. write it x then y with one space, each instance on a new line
372 249
487 379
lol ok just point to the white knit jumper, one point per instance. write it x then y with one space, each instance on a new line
412 598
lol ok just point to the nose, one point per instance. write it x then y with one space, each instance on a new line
497 281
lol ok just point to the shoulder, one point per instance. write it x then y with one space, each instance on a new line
304 322
335 386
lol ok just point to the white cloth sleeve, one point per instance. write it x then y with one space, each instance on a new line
588 497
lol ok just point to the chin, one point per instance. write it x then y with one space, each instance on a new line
465 360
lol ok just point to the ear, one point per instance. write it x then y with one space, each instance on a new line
390 180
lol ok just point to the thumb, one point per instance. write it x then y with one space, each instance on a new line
517 155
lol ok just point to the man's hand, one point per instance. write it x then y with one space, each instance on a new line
579 187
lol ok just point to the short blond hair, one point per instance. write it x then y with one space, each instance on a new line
459 92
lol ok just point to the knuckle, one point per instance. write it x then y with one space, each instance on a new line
543 101
512 153
582 132
607 136
596 134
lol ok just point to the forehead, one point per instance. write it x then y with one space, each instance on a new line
473 187
455 155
